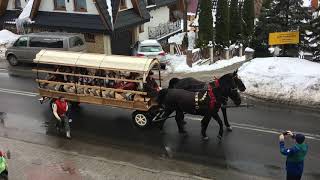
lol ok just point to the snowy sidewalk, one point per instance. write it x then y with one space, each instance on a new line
34 162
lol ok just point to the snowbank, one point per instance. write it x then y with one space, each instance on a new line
248 49
178 64
177 39
7 37
289 80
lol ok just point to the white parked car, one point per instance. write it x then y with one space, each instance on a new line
150 49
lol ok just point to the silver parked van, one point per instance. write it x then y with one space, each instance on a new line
27 46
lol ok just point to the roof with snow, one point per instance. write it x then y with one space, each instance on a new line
69 21
102 23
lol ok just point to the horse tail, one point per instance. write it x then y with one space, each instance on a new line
172 82
161 96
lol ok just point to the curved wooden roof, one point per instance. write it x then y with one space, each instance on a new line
96 61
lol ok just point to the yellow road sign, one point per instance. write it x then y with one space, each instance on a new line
279 38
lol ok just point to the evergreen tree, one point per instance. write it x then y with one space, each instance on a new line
222 23
248 18
235 21
314 38
291 16
205 23
280 16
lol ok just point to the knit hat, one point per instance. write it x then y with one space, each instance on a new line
299 138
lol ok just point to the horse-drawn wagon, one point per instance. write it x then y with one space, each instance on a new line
98 79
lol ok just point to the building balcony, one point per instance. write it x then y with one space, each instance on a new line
164 30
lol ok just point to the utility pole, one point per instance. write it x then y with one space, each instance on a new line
185 16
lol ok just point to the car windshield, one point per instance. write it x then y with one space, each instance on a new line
150 49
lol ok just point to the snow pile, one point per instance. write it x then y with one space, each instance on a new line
248 49
178 64
176 39
110 10
7 37
24 17
289 80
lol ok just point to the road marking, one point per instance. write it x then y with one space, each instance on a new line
262 129
23 93
3 70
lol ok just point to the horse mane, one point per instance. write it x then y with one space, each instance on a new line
172 82
161 95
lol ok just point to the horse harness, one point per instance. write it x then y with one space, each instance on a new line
212 99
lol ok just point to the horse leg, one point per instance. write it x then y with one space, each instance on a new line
204 125
225 118
165 116
218 119
180 119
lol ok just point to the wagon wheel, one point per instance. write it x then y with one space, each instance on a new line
141 119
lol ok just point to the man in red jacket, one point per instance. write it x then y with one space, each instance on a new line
60 109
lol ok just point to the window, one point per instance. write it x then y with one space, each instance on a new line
22 42
141 28
59 5
46 42
80 5
75 41
150 49
17 4
123 4
150 2
89 37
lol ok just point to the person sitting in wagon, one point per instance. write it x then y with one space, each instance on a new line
69 79
133 86
109 83
151 86
81 80
56 78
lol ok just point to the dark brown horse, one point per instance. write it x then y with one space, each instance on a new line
205 102
194 85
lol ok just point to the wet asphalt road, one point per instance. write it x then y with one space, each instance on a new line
251 148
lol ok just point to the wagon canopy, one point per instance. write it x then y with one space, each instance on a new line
96 61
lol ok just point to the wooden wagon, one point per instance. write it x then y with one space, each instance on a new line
145 109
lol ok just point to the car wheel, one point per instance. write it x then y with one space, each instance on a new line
12 60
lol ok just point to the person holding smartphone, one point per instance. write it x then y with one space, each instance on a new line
295 154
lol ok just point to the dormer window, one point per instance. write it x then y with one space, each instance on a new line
59 4
150 2
123 4
17 4
80 5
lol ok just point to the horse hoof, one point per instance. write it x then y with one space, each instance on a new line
229 128
205 138
219 137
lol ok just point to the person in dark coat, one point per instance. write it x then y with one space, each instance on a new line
151 86
295 155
